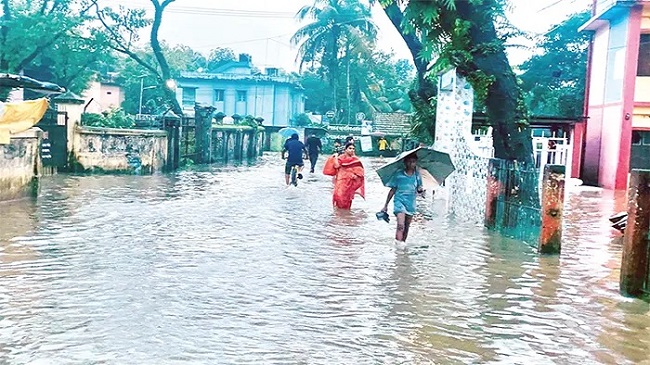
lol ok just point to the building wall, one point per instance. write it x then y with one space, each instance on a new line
20 164
119 150
595 111
645 18
642 89
641 115
105 97
277 103
611 100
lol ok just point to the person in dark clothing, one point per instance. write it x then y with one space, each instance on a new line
295 148
338 148
314 147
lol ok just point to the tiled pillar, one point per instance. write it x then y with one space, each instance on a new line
467 187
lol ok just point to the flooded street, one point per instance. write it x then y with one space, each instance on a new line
228 266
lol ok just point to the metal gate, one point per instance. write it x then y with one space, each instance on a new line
516 207
54 146
188 141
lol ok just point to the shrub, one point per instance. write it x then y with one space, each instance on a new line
301 120
115 118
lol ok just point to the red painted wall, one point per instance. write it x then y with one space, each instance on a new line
632 57
610 98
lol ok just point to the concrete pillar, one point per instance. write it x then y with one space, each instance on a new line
73 105
550 238
634 264
495 190
203 136
171 124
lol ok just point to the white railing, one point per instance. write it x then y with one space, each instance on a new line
552 148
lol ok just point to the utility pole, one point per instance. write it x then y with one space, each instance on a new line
348 86
141 91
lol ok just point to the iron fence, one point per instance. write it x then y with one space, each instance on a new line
188 140
518 213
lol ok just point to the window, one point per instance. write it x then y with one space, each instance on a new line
218 95
643 65
189 96
241 95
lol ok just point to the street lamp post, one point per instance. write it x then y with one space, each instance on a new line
141 90
170 84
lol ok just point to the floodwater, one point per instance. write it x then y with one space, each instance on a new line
228 266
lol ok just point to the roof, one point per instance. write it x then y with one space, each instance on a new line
238 77
19 81
69 97
233 64
608 11
535 121
393 123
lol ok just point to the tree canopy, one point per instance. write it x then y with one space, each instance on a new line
470 36
554 79
29 30
338 30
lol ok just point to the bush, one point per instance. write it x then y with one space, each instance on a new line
301 120
115 118
92 119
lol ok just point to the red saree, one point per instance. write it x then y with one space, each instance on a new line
349 180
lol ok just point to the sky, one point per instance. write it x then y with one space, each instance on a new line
263 28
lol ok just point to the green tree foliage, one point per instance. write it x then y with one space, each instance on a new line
219 57
317 93
470 35
122 26
377 82
116 118
28 29
72 62
554 79
183 58
336 28
129 72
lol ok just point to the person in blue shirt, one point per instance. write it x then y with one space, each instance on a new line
295 150
405 185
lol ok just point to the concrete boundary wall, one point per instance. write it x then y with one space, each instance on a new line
20 165
119 150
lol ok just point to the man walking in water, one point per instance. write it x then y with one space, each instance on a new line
314 147
295 149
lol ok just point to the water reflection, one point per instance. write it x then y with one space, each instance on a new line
230 266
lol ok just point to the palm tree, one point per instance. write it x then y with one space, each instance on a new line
338 25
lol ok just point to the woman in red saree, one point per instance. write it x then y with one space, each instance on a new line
349 178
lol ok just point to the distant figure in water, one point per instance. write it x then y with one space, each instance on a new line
338 148
349 179
314 147
295 149
405 185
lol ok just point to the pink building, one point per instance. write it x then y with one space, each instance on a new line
617 133
103 96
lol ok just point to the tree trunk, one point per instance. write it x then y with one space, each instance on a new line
4 33
504 102
170 94
425 91
333 69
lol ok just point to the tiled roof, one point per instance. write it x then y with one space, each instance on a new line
393 123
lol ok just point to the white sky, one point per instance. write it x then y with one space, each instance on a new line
264 27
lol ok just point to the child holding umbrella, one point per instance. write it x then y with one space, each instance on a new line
405 184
